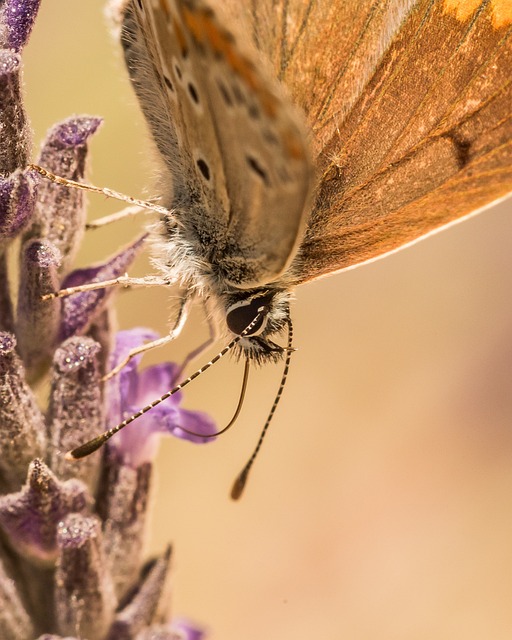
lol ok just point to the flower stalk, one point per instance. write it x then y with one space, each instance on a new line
72 534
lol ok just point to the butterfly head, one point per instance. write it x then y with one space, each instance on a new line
272 306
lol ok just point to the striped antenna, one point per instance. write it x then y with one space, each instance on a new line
241 480
93 445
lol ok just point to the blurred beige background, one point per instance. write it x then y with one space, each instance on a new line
381 504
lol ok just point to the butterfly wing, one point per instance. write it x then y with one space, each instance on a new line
215 113
410 104
153 59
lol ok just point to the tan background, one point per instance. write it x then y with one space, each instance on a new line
381 505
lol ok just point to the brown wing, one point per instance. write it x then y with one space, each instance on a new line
235 150
410 107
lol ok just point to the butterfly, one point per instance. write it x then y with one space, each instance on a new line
301 138
408 128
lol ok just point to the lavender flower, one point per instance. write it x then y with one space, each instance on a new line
71 562
131 390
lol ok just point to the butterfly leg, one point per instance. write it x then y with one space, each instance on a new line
172 335
123 281
127 212
109 193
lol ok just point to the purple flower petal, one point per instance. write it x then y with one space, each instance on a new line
198 423
22 423
16 133
128 340
16 21
70 135
60 211
80 309
158 632
84 595
186 630
137 445
126 384
30 517
161 376
132 390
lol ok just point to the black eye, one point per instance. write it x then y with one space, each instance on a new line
241 314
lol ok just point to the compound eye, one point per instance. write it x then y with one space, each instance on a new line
240 315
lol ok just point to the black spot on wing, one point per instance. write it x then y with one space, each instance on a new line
257 168
238 93
192 91
462 148
203 168
169 84
224 93
253 111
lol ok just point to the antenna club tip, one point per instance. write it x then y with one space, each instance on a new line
69 456
239 485
86 449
